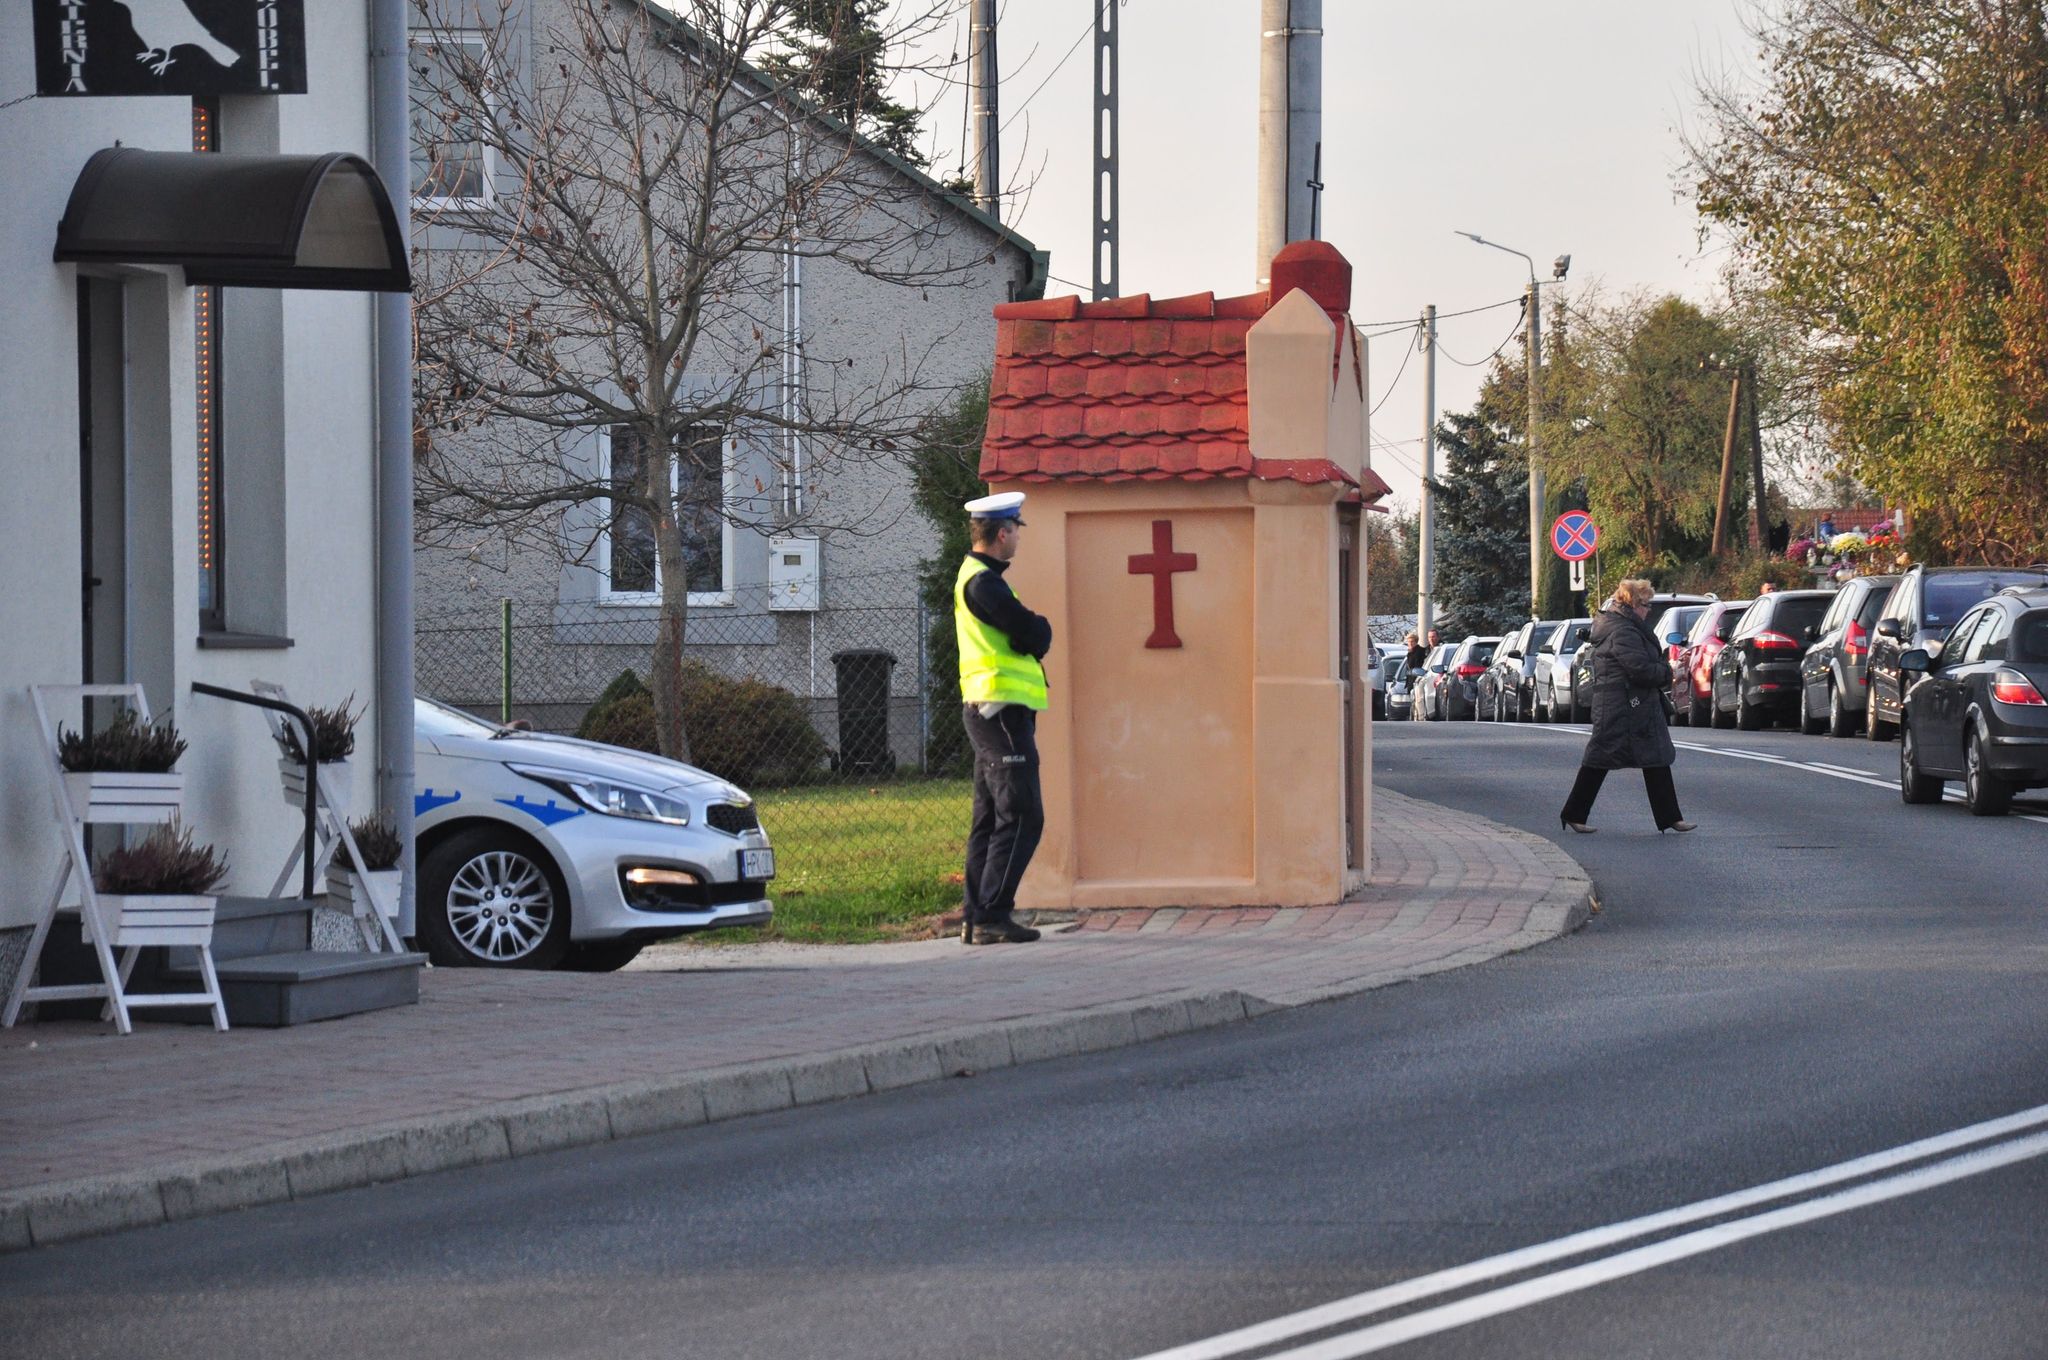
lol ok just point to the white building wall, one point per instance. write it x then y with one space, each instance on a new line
316 530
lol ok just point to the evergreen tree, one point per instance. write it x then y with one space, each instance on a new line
945 475
838 56
1482 537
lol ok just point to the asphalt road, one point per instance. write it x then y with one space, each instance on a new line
1819 974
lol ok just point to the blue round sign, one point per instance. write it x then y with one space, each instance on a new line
1574 536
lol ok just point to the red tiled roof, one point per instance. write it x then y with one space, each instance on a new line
1140 388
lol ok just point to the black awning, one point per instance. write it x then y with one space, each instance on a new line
253 221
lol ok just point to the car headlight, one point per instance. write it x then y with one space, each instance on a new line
610 797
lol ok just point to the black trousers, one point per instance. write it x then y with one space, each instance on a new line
1656 778
1009 813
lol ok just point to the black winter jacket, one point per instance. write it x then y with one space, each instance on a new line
1629 673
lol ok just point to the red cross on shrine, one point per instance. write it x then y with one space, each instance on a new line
1161 564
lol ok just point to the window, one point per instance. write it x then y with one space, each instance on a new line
206 351
451 164
1955 649
1833 618
626 553
1989 644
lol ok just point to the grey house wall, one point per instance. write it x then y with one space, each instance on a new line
569 642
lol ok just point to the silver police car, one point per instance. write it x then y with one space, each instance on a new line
540 851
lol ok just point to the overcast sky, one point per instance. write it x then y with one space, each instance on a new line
1548 125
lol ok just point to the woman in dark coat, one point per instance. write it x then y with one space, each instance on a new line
1630 680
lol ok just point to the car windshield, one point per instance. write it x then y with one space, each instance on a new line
1951 593
1794 615
435 719
2030 637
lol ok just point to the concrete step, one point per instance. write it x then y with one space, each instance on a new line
298 987
247 926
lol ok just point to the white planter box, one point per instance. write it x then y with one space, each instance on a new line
155 919
346 891
125 795
336 776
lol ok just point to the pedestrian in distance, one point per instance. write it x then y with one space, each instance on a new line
1002 688
1631 729
1417 653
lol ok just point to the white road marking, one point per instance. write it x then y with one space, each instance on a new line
1494 1267
1765 757
1492 1304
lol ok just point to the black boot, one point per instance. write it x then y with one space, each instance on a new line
1003 930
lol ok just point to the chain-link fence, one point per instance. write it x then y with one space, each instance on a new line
832 718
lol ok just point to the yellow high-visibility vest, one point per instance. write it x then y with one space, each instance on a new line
991 670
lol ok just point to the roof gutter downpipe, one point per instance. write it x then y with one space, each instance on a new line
390 118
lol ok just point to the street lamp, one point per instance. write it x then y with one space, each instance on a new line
1558 269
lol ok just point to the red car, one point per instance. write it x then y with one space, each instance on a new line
1692 671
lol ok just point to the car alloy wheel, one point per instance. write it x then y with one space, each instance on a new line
1985 793
1747 718
489 899
1723 718
1874 727
1810 725
1914 787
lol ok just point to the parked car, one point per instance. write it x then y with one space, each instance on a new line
1756 676
1554 669
1692 674
1378 656
1921 609
1396 669
537 851
1457 695
1835 675
1507 692
1582 660
1422 688
1978 711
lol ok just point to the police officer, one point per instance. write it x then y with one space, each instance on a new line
1002 685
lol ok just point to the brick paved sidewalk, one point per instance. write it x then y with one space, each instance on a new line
176 1120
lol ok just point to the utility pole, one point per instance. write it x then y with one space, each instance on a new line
1537 528
981 103
1290 122
1106 271
1425 556
1727 465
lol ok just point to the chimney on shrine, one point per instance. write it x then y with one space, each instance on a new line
1197 471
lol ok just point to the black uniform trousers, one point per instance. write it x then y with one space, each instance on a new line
1009 813
1656 779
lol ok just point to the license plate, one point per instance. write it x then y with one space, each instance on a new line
757 864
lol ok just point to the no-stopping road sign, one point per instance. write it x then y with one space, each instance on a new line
1574 536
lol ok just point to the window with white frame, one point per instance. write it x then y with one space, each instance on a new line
627 556
451 164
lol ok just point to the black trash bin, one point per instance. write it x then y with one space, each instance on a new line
864 710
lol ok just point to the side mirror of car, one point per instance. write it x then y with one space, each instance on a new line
1674 639
1887 628
1916 661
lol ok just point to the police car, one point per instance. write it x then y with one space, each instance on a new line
540 851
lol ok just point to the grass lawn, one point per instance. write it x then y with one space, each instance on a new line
862 862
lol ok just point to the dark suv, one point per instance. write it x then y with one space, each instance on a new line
1835 676
1458 695
1507 692
1756 676
1979 710
1923 606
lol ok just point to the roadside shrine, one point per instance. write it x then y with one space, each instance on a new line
1197 468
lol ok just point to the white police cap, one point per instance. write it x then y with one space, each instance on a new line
1002 505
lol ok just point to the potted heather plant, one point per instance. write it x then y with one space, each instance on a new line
334 741
122 772
159 890
359 888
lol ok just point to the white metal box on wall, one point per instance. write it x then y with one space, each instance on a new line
793 574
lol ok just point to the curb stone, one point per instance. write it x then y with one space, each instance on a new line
303 1168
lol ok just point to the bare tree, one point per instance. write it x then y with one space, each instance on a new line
618 198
